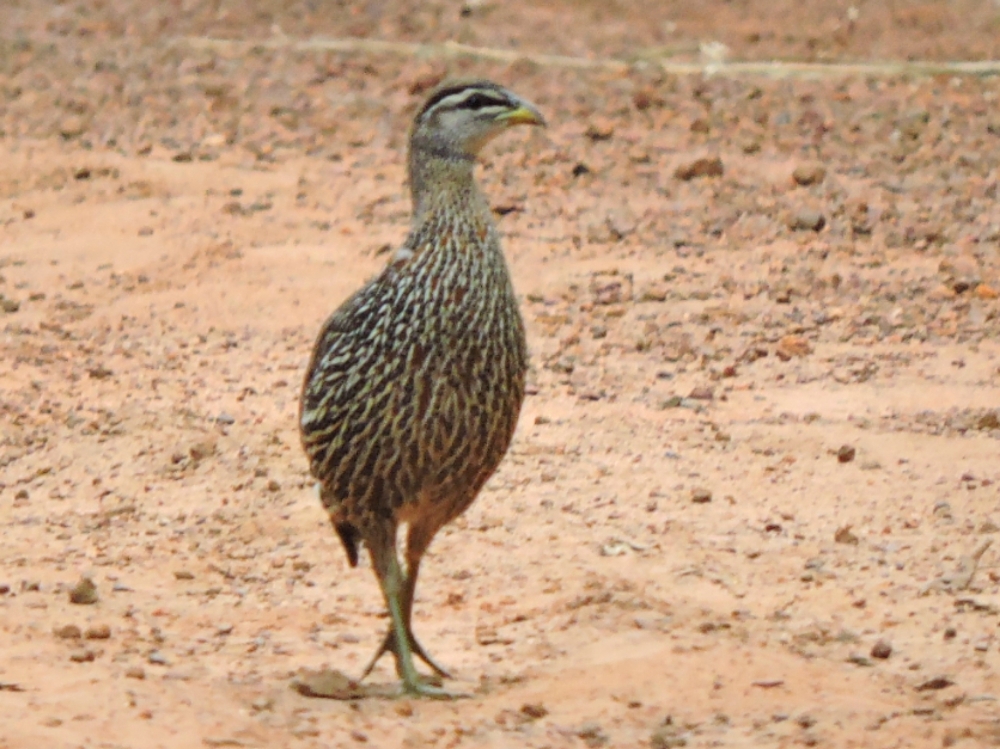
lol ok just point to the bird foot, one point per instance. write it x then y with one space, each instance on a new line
389 646
423 688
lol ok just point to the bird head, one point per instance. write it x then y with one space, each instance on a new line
458 119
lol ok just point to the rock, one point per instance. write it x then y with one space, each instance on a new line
961 273
703 167
534 710
655 292
701 496
986 292
135 672
68 632
845 454
667 736
10 306
807 219
72 126
792 346
809 174
98 632
593 735
881 650
84 592
646 97
600 128
84 655
938 682
702 393
844 535
326 683
157 658
941 293
989 420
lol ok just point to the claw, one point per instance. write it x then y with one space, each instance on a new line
389 646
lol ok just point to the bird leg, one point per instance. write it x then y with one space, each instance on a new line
389 641
390 578
417 540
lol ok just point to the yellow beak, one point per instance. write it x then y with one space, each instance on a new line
526 114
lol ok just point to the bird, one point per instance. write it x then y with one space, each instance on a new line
415 384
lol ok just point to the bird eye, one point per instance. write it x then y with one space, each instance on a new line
479 101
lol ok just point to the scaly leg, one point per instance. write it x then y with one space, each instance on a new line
417 541
390 577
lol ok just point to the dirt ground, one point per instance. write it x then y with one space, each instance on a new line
752 492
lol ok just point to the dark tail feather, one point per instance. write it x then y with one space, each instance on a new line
349 537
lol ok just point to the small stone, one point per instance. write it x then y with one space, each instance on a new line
98 632
146 231
84 592
702 393
701 496
845 454
881 650
10 306
986 292
225 419
273 486
72 126
201 450
667 737
601 128
844 535
183 575
84 655
989 420
703 167
327 683
938 682
157 658
653 293
135 672
791 346
68 632
807 219
534 710
809 174
592 734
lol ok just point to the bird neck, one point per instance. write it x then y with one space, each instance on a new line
441 179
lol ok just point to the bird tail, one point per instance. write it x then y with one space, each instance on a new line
349 537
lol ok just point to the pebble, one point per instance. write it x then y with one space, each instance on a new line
807 219
809 174
135 672
845 454
98 632
791 346
72 126
601 128
881 650
701 496
84 655
326 683
534 710
703 167
157 658
68 632
84 592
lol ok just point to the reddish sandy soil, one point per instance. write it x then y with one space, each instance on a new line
751 496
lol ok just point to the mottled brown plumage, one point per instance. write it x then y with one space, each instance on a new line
416 381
